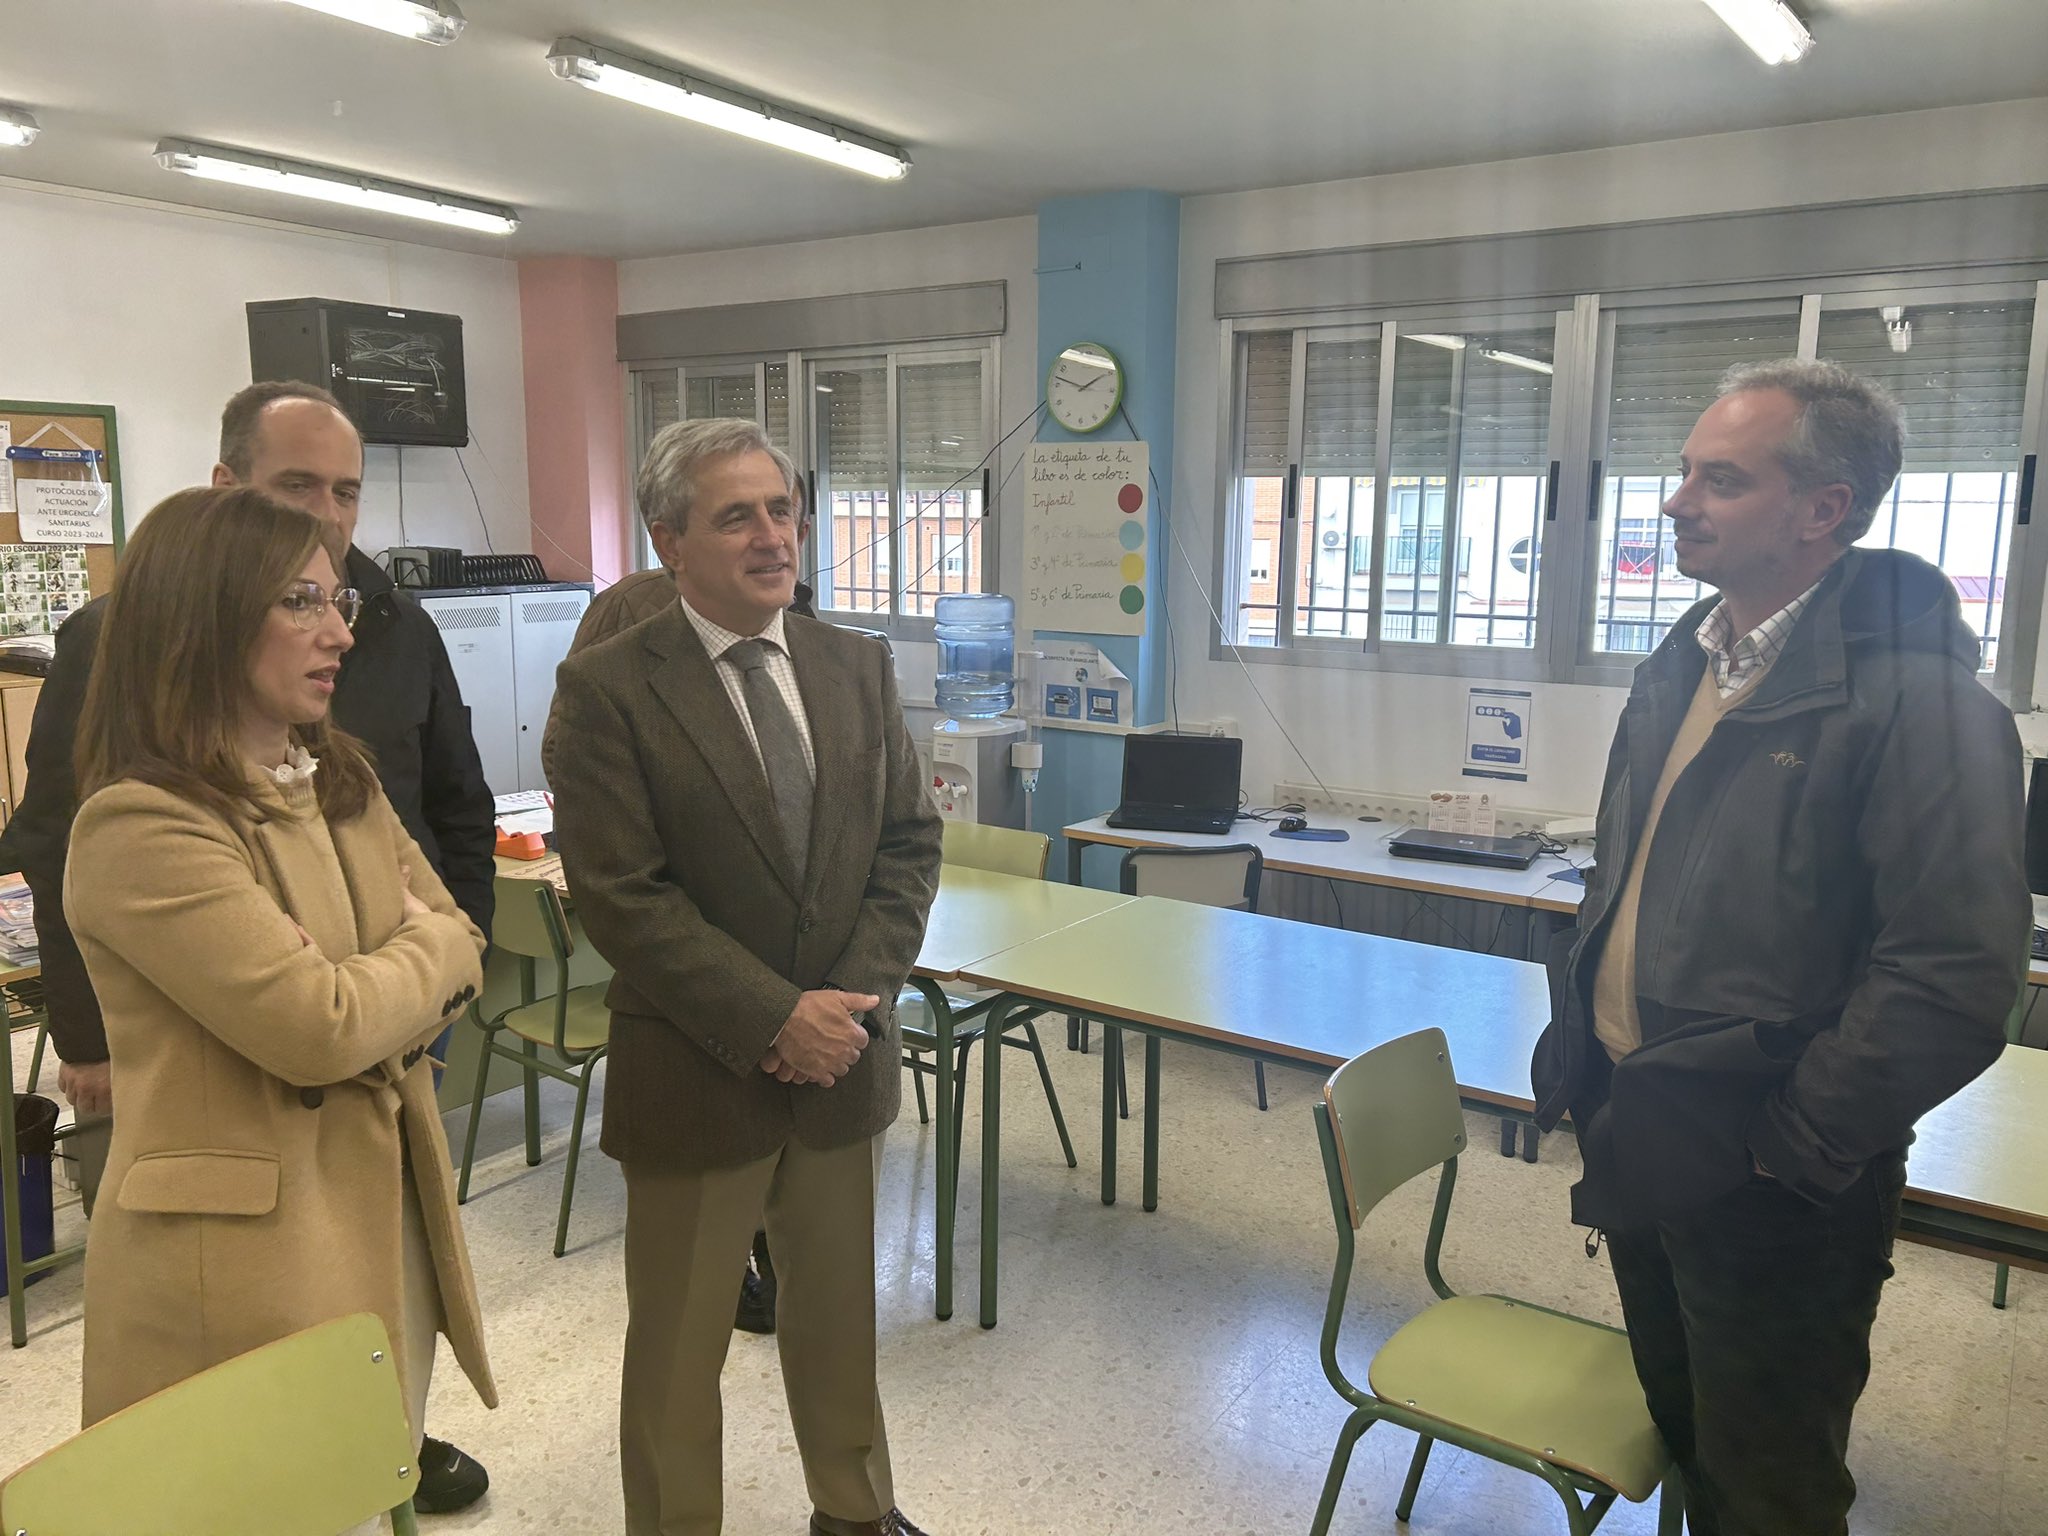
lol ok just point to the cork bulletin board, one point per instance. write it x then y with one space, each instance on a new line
61 526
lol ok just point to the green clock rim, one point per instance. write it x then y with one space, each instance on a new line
1115 401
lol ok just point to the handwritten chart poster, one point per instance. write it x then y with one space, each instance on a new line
1084 537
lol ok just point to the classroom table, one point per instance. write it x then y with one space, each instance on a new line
1262 986
975 914
1362 858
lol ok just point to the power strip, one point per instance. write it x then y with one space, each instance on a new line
1411 810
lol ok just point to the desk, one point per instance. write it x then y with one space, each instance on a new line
1236 981
1259 986
1363 860
978 914
975 914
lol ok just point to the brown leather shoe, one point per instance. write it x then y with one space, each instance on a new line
894 1523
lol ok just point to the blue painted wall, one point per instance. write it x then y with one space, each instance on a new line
1109 271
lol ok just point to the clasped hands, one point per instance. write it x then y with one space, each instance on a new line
822 1038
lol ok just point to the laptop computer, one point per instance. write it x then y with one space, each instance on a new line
1465 848
1179 783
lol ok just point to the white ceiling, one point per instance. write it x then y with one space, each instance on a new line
1002 103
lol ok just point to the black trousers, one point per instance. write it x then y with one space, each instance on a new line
1750 1324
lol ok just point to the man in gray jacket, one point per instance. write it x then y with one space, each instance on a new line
1806 929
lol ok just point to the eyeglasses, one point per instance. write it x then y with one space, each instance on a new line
307 602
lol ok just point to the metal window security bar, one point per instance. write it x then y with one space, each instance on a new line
1664 369
1401 471
1402 491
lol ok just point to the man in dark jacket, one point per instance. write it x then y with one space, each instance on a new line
397 692
1806 929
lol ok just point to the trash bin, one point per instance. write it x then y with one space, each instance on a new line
35 1145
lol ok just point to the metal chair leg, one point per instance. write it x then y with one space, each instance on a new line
924 1115
963 1050
1113 1047
1998 1279
1259 1077
476 1108
532 1054
1340 1463
1420 1460
35 1060
1671 1504
1052 1099
575 1147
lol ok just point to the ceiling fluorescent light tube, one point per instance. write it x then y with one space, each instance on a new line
18 127
718 106
1431 339
431 21
1770 29
301 178
1516 360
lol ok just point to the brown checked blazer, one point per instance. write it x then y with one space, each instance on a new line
677 869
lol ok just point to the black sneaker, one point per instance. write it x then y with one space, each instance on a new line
449 1480
757 1305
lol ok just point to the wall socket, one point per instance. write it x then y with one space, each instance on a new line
1403 810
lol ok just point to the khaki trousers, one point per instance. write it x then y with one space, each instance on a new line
687 1240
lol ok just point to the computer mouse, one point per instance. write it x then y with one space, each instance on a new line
1293 823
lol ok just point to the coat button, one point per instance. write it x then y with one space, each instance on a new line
312 1098
805 924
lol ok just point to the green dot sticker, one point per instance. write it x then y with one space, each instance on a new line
1131 535
1132 599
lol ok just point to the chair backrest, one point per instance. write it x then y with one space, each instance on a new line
999 850
1394 1113
529 920
1227 876
303 1437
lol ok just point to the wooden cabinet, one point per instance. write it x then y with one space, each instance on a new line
18 694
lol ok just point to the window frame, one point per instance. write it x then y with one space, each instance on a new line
1233 535
1567 581
802 449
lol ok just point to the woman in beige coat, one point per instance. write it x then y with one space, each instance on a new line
273 955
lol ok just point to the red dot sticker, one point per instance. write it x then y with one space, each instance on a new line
1130 498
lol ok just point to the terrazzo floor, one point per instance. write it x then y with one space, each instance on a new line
1152 1373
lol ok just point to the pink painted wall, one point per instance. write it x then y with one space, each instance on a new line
575 417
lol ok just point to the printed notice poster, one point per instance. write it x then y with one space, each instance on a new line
1497 733
1084 537
66 511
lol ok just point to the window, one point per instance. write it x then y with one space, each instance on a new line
891 442
1393 482
1395 468
1961 372
899 440
1664 372
757 391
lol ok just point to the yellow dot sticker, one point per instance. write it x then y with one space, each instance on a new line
1133 568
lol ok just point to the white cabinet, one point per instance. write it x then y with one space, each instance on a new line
504 646
543 624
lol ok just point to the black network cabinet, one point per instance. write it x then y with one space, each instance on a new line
397 372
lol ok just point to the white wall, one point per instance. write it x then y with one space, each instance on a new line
139 306
1005 249
1404 734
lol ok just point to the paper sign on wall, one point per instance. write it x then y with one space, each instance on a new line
1497 725
1084 537
66 511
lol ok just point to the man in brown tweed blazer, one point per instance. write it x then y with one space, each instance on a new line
748 842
